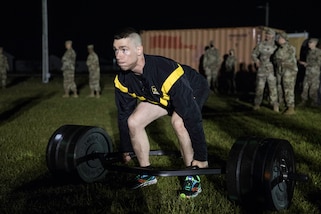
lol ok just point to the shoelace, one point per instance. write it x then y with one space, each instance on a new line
189 184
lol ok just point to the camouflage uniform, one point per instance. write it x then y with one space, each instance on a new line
201 69
68 68
230 63
261 55
211 65
94 72
286 72
311 80
4 67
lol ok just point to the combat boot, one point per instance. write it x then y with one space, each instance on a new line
302 104
314 104
66 94
276 108
75 93
289 111
92 93
3 84
97 94
256 107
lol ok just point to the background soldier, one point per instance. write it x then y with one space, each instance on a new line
311 80
4 68
229 70
68 68
211 65
261 56
94 72
201 69
286 72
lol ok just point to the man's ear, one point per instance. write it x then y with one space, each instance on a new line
140 50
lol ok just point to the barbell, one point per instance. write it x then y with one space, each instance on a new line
258 170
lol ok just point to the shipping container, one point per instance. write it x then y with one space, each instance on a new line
297 40
187 45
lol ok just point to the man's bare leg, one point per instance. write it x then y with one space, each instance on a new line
143 115
185 143
183 138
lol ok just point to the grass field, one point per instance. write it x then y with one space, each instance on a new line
30 111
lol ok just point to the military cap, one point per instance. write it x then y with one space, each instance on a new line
270 32
90 46
211 43
284 35
314 40
68 42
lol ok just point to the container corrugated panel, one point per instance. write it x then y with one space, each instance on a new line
297 39
187 45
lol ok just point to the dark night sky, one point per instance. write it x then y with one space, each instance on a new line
93 21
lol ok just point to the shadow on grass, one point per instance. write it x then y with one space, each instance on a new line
314 197
82 82
16 80
47 194
20 105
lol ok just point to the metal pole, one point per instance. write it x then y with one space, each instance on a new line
267 14
45 60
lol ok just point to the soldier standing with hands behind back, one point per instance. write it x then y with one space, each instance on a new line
211 65
68 68
229 69
94 72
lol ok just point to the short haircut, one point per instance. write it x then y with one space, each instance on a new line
131 33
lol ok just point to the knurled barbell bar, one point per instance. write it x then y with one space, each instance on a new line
258 170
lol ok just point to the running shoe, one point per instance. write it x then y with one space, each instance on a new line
191 187
142 181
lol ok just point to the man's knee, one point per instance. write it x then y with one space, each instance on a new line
178 124
132 123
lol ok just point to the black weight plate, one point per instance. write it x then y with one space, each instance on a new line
68 138
71 145
256 173
50 153
57 138
279 162
95 139
239 170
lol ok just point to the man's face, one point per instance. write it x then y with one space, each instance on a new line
269 37
281 40
126 53
68 45
312 44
